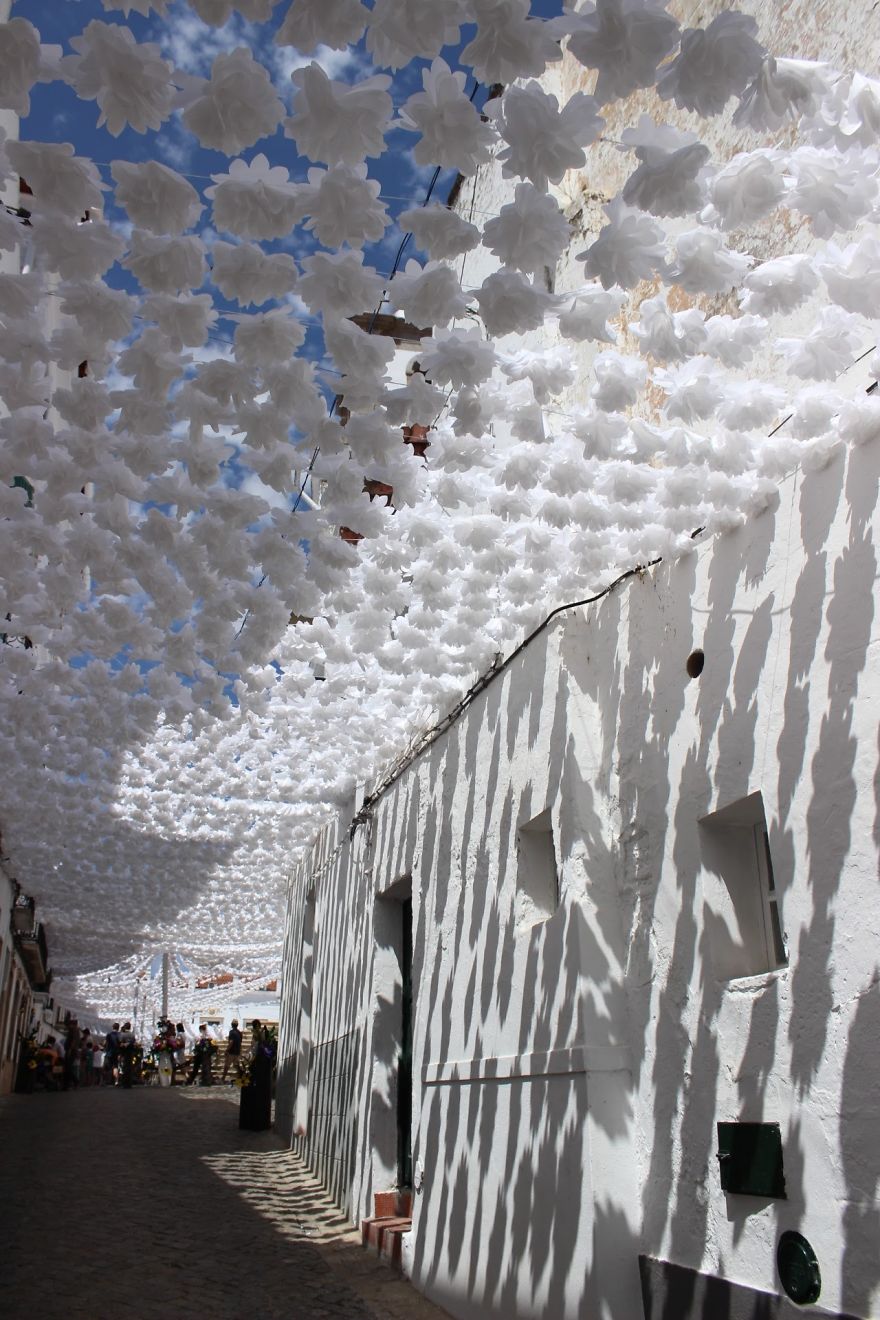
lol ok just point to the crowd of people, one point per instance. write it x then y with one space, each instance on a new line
117 1058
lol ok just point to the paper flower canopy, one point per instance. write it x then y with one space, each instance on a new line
259 473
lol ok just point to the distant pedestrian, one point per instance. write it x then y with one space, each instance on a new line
88 1058
201 1059
255 1110
179 1050
233 1048
72 1047
127 1047
111 1053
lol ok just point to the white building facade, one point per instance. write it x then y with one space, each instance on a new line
596 971
605 966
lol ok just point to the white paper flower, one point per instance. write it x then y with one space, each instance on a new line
618 380
236 106
460 358
550 371
184 319
624 40
589 313
734 340
713 64
97 309
530 233
859 420
629 248
267 337
20 293
668 336
849 114
343 206
749 404
19 64
814 408
155 197
833 191
311 23
356 353
509 303
339 283
129 80
337 122
151 362
166 265
59 179
779 285
439 231
745 190
667 181
852 276
403 30
509 44
543 141
453 134
782 91
694 389
427 296
76 251
256 200
247 275
828 349
704 265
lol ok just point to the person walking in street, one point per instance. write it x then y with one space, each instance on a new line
111 1053
127 1047
88 1057
255 1110
72 1047
179 1058
233 1048
201 1059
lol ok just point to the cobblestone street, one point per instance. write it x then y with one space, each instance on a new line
151 1203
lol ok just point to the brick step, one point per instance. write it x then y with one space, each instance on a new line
396 1203
384 1236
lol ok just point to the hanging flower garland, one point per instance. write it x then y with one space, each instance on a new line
214 606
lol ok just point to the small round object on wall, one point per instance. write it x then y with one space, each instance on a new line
694 664
798 1269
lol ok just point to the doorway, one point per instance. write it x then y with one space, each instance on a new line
404 1058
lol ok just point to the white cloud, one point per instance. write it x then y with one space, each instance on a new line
193 45
282 61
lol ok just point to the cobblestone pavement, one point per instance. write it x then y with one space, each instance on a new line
150 1203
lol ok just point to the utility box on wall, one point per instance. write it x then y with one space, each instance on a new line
750 1159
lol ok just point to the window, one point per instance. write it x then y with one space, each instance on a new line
743 917
537 885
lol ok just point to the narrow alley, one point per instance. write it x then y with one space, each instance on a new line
151 1203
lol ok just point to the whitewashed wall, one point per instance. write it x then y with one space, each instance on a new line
568 1080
